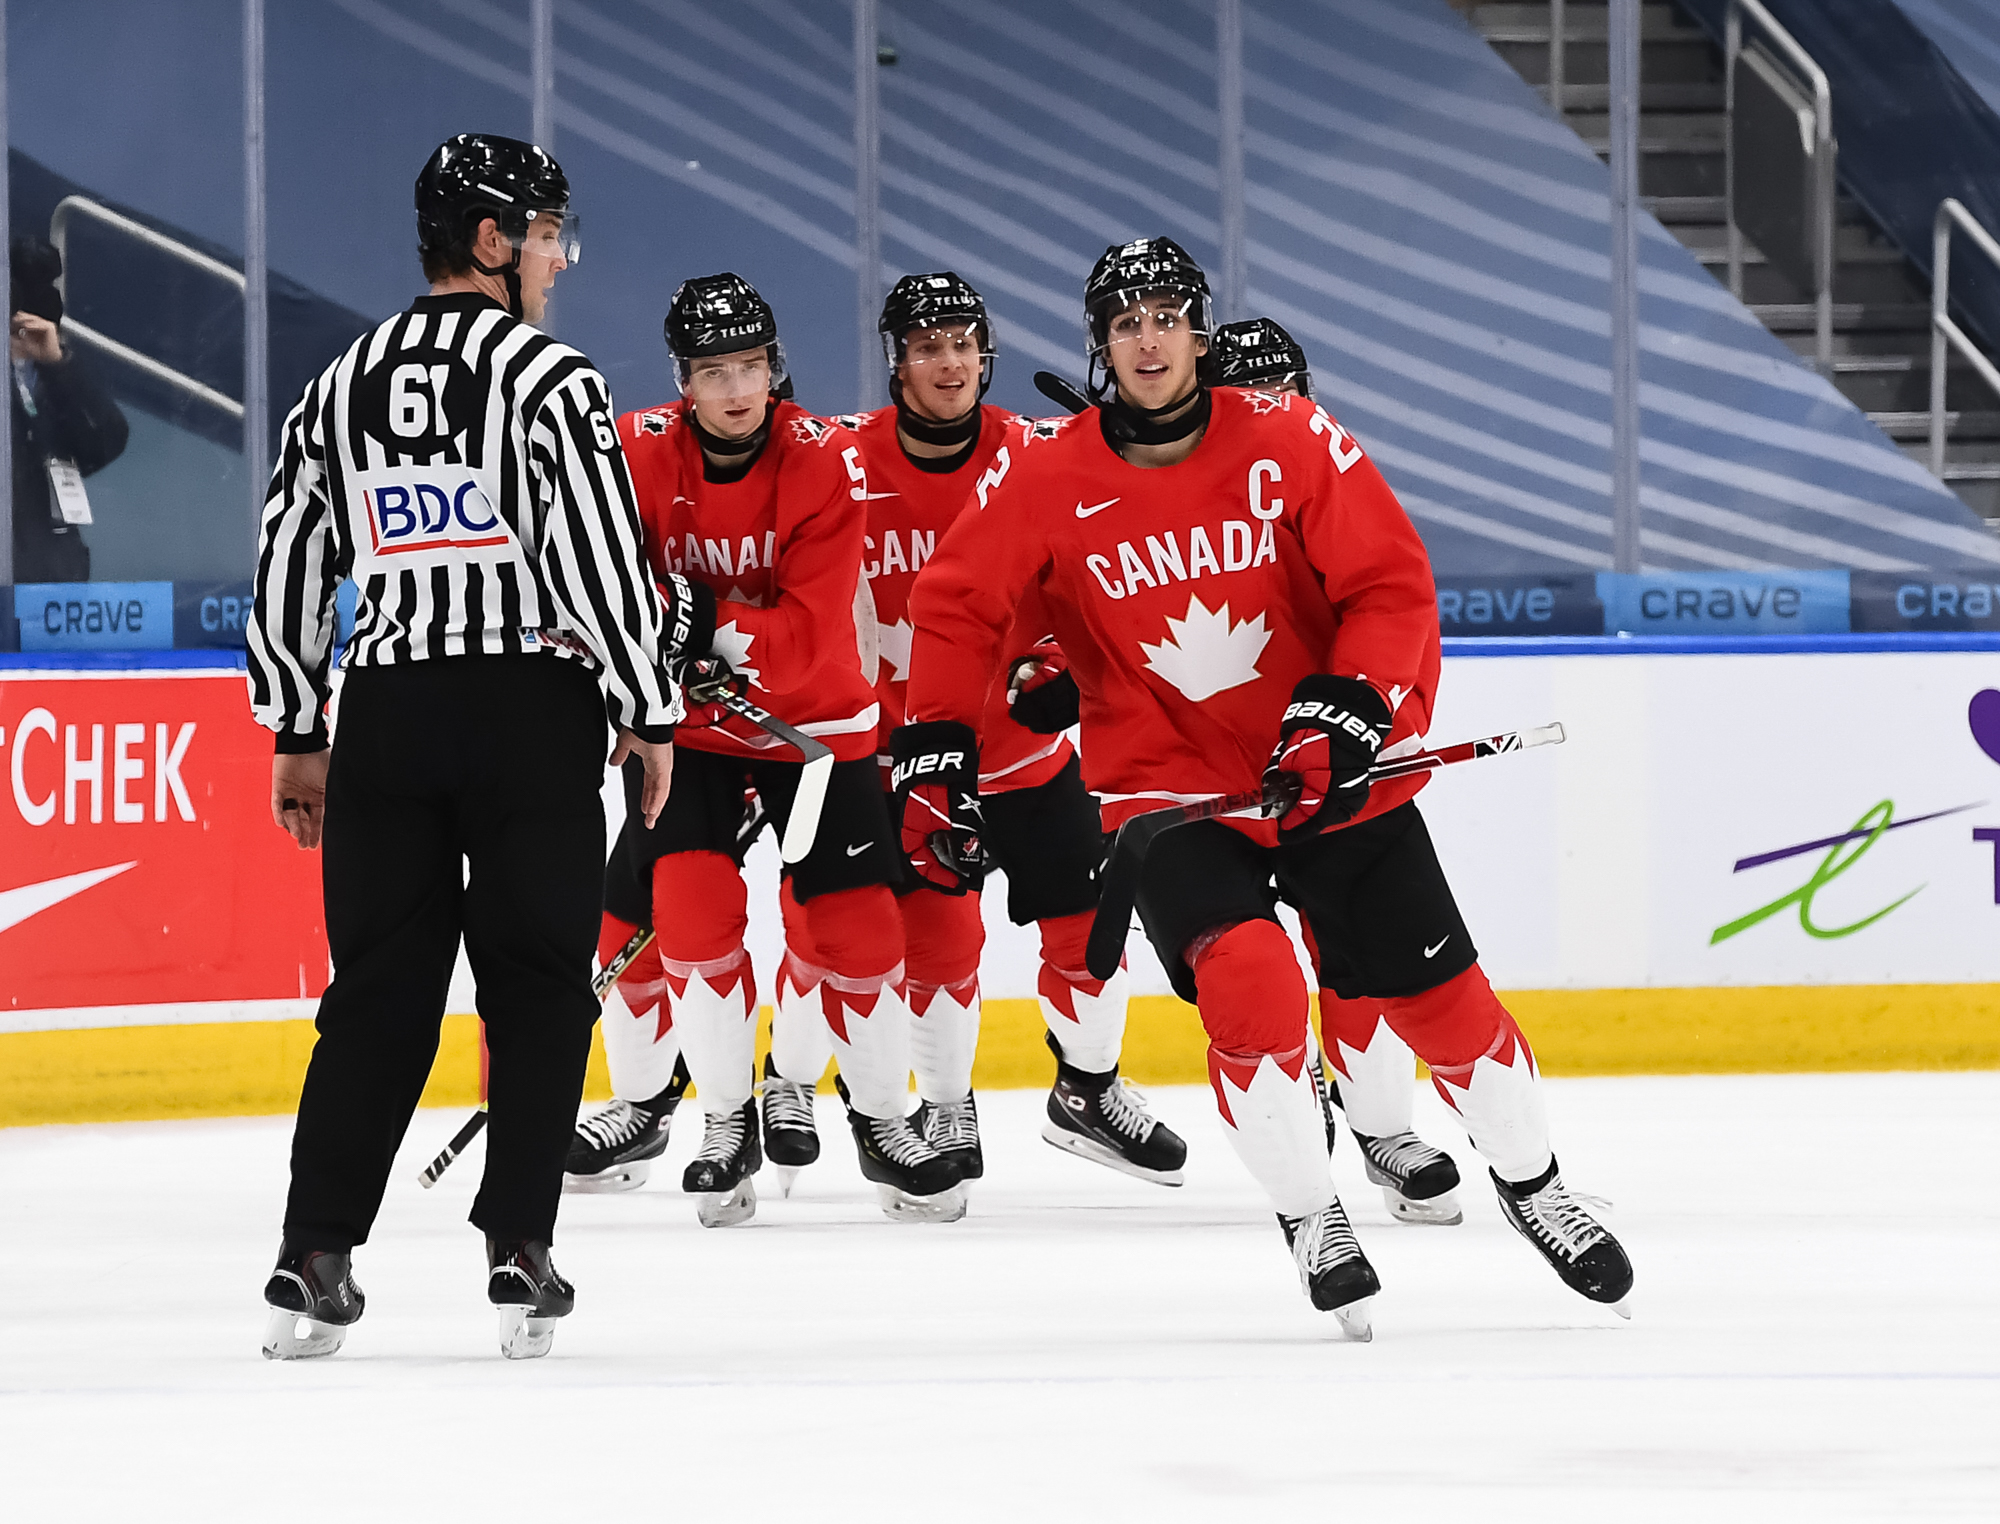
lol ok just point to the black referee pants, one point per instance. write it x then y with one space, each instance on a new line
495 762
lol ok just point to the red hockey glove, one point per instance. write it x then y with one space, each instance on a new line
690 616
703 682
935 786
1041 693
1329 738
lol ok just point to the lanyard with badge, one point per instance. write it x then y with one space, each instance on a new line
68 502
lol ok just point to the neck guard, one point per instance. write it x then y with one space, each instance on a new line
1125 423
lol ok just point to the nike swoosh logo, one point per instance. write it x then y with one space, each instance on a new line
870 497
857 851
16 905
1084 513
1432 952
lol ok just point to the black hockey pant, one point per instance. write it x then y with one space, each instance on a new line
491 762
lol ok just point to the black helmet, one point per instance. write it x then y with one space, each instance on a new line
1258 352
477 175
718 315
1129 271
932 301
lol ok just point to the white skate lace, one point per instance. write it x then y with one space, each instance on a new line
1324 1239
898 1141
1124 1107
788 1104
721 1138
1557 1219
1401 1154
617 1124
953 1126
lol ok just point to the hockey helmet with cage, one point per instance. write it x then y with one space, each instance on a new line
1257 352
721 315
477 175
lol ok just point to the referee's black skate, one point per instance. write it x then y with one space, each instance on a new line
721 1169
1104 1119
613 1147
1417 1180
953 1130
1335 1273
1578 1246
914 1182
522 1281
791 1132
313 1302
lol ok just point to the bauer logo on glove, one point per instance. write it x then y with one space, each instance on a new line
935 785
1328 739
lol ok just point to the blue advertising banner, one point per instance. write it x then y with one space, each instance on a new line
211 613
1724 603
95 616
1522 605
1928 600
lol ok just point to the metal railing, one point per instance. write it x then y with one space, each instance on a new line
1822 174
1556 60
75 206
1943 329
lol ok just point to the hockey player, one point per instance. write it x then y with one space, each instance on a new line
923 455
1240 598
755 508
1375 1066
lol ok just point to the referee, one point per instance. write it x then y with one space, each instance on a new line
464 469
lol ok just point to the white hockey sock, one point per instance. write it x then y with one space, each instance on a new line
715 1012
1086 1015
1273 1121
1499 1097
1378 1081
801 1045
641 1056
944 1037
870 1023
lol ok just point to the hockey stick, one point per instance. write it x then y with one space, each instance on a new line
1118 888
600 986
1064 394
803 826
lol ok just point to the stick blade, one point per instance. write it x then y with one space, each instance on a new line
803 828
1063 394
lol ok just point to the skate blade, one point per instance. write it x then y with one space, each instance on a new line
620 1177
899 1206
1089 1148
1357 1320
523 1336
787 1174
1623 1307
715 1210
294 1336
1438 1212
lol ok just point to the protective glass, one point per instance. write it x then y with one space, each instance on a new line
564 229
714 377
1140 315
963 342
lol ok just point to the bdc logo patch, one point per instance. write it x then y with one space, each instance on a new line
429 508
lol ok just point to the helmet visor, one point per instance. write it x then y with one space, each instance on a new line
551 232
1131 317
717 378
940 346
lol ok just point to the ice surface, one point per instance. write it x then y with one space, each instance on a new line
1817 1334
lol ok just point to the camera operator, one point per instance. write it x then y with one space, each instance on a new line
66 426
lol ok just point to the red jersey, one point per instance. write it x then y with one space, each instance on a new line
909 509
781 548
1190 599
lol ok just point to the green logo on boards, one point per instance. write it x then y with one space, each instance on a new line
1842 852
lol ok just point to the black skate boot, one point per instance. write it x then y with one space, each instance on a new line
1335 1273
522 1281
914 1182
614 1145
1104 1119
791 1136
721 1169
1576 1244
953 1130
1417 1180
313 1302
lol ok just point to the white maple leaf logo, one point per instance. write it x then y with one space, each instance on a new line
1267 402
895 648
733 646
1205 654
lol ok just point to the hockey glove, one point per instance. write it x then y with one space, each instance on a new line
704 680
1041 693
1329 738
935 787
690 622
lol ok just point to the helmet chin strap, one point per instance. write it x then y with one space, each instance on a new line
1128 423
510 274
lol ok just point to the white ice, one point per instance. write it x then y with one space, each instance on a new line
1816 1335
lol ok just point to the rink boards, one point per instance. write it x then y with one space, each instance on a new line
1746 857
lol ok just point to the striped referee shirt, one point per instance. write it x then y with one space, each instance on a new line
464 468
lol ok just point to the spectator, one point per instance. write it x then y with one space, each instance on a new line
64 422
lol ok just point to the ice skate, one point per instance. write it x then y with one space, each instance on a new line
613 1146
1335 1274
522 1281
953 1130
1104 1119
1417 1180
791 1137
721 1169
313 1302
914 1182
1579 1248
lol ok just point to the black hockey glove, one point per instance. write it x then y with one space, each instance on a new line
704 680
936 789
1041 693
690 621
1329 738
